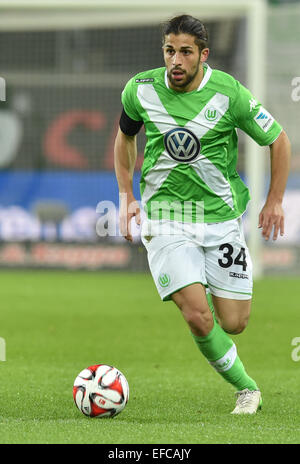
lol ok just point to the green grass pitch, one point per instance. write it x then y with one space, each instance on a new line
57 323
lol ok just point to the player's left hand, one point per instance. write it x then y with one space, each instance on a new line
271 216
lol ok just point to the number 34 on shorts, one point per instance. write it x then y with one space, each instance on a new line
229 270
227 261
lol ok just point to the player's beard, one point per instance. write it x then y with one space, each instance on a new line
189 77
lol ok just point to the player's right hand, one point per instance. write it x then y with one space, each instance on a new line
129 208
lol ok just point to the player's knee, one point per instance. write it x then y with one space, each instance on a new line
193 305
234 326
199 320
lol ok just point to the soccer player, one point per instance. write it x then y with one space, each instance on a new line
193 196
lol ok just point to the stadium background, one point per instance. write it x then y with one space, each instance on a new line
59 121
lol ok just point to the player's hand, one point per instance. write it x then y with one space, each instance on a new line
271 218
129 208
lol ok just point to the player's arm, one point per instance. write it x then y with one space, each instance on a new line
272 215
125 154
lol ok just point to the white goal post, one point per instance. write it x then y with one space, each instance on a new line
37 15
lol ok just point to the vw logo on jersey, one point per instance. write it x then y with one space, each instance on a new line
182 145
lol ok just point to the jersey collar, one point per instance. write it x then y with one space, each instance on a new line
206 77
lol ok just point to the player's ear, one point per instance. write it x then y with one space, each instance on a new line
204 55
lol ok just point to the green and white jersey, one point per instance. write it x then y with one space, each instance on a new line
192 145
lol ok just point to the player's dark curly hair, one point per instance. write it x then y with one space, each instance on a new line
186 24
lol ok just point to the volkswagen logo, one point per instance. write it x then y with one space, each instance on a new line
182 145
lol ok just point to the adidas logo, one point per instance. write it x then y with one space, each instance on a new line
262 116
264 119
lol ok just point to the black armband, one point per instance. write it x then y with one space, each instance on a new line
129 126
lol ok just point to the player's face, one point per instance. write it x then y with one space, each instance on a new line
183 61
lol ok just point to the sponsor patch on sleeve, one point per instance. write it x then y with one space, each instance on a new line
146 80
264 119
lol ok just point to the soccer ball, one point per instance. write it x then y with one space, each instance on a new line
100 391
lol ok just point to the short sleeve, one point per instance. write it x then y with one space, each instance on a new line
128 100
250 116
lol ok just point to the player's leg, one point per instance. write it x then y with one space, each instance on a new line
229 276
217 347
192 302
232 315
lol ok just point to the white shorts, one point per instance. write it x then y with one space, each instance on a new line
215 255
